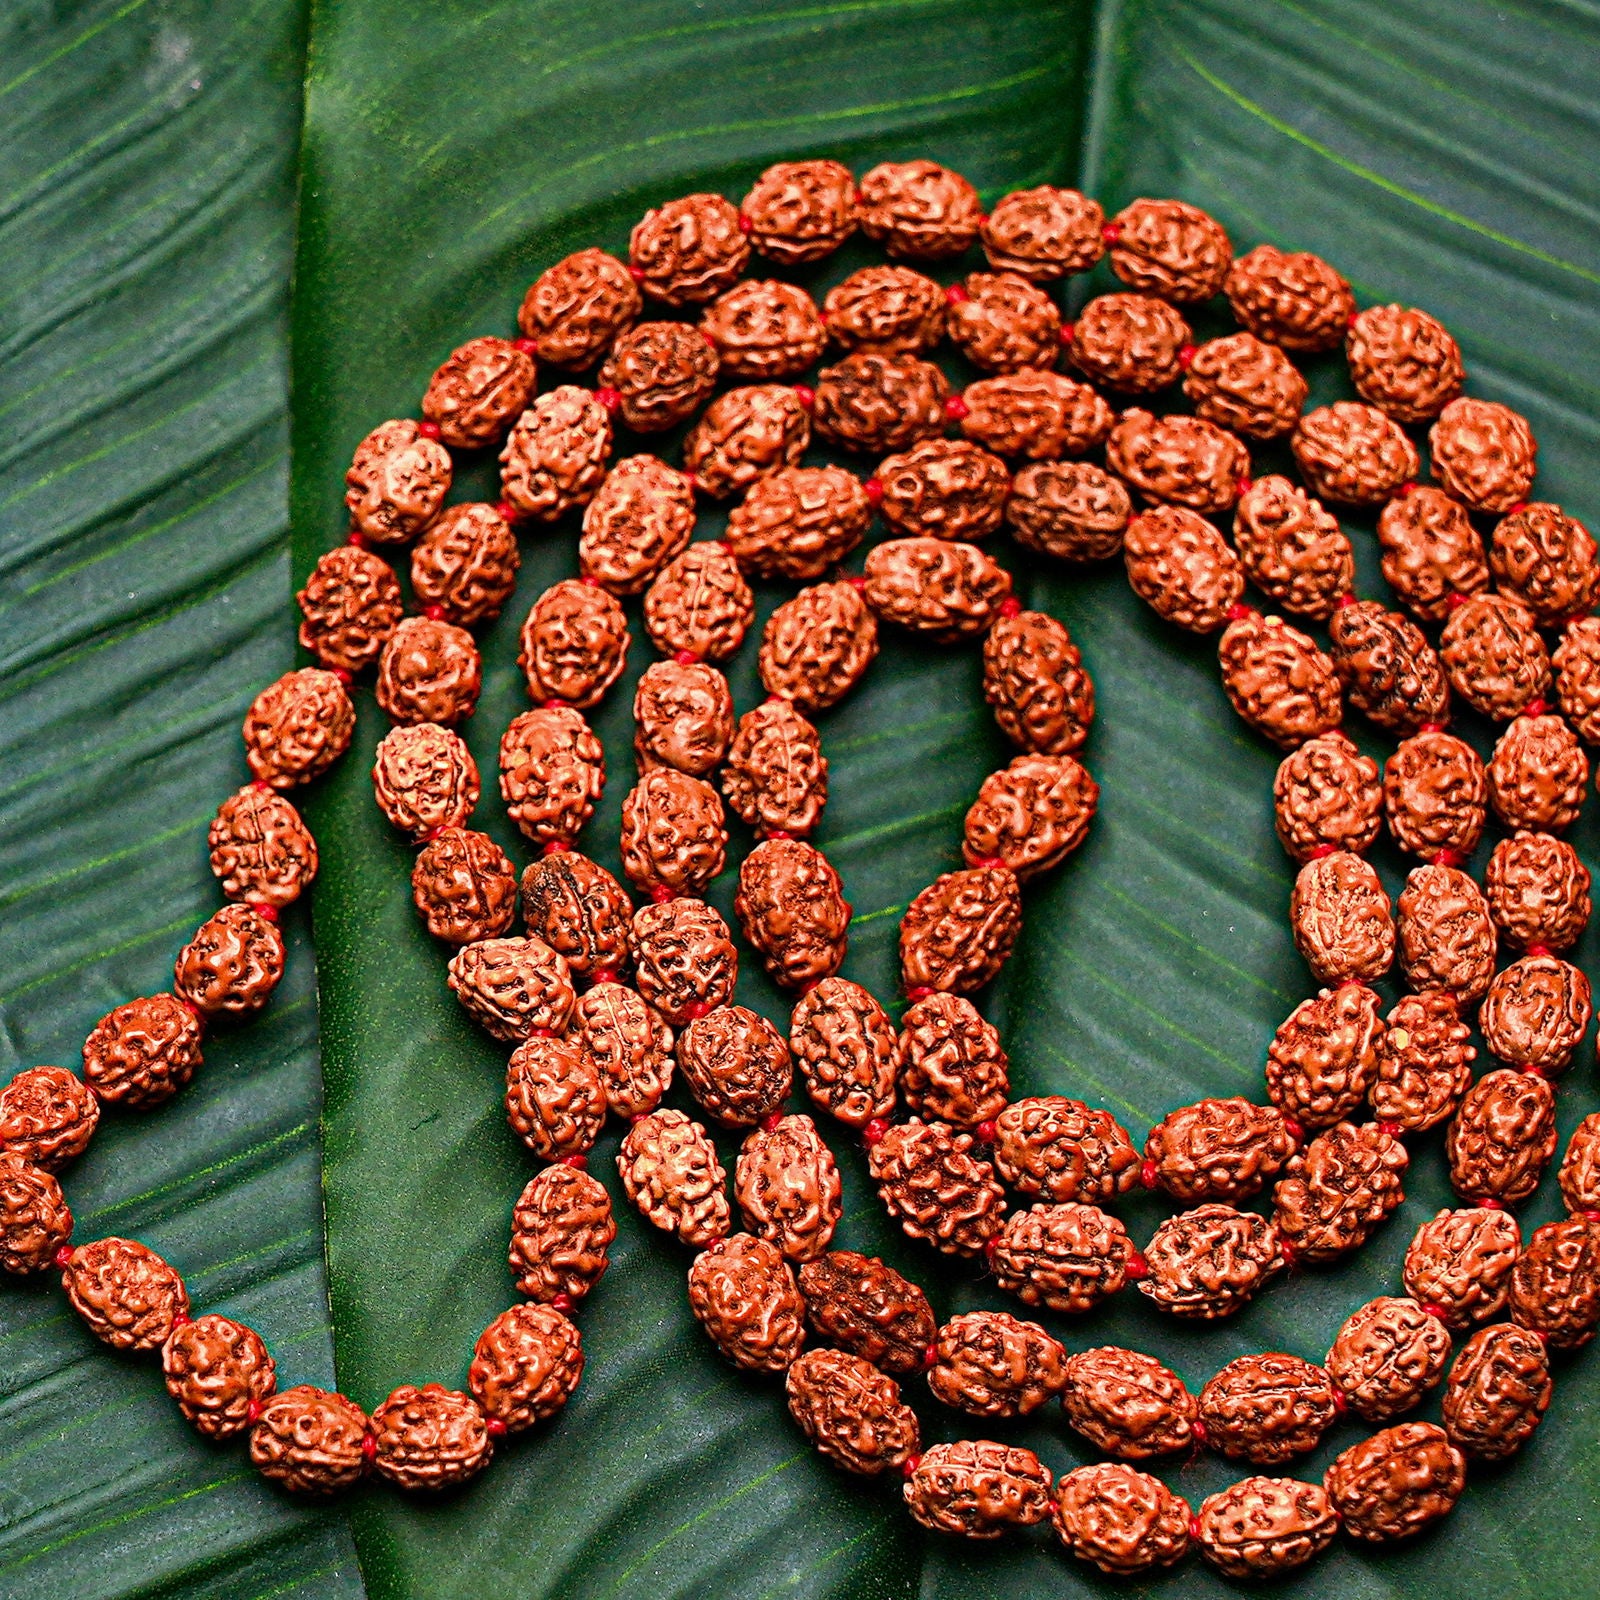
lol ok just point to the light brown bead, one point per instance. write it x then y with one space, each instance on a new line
1340 919
957 933
1446 935
1293 299
851 1412
670 1172
1396 1483
1459 1264
424 779
776 776
525 1366
1337 1190
465 886
1577 673
1035 683
561 1231
1043 233
952 1066
1547 560
1431 552
1240 383
1063 1150
798 522
641 516
699 602
126 1294
1071 510
689 250
481 388
1127 1404
936 1188
429 672
1353 454
788 1189
260 849
1484 454
874 403
349 607
1278 681
511 986
1424 1062
1178 460
1267 1409
1389 671
1182 568
429 1438
891 309
744 435
1555 1288
869 1309
552 770
579 910
801 211
231 965
574 644
736 1065
673 837
34 1219
309 1441
944 489
1497 1392
1502 1137
1386 1357
1495 658
1324 1058
990 1364
918 210
1132 343
575 309
630 1045
792 910
1031 815
1208 1262
1263 1528
1403 361
978 1489
555 455
48 1116
142 1052
219 1372
1169 248
1536 1013
1326 793
1435 794
1066 1257
1538 774
1294 552
1001 322
844 1045
1580 1167
396 482
555 1102
297 727
1040 416
764 329
1122 1520
683 717
1218 1149
466 564
683 958
816 646
744 1295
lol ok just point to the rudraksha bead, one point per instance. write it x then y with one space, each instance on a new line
943 488
1459 1264
349 607
776 776
661 373
574 644
429 672
683 717
1067 1257
555 455
297 727
745 434
743 1294
1403 361
1435 794
480 389
142 1052
764 329
1502 1137
1538 891
991 1364
1072 510
869 1309
874 403
466 564
429 1438
1340 919
978 1488
1432 554
1124 1521
641 516
1446 935
957 933
816 646
1424 1062
1278 681
801 211
669 1170
48 1116
1218 1149
936 1188
1484 454
1036 685
34 1219
1292 299
845 1046
219 1372
1327 793
673 832
1353 454
1337 1190
1263 1528
1040 416
851 1412
1044 233
554 1099
798 522
1555 1287
952 1065
512 986
1547 560
788 1189
1535 1013
231 965
1001 322
1324 1057
1030 815
1580 1167
396 483
1208 1262
1294 552
1396 1483
561 1231
465 886
689 250
1243 384
736 1064
1182 568
579 910
1063 1150
894 310
1127 1404
1129 342
1577 664
1178 460
792 910
940 588
260 849
575 309
552 770
525 1366
699 602
630 1045
1386 1357
310 1441
918 210
126 1294
424 779
1538 774
1497 1392
683 958
1168 248
1390 673
1267 1409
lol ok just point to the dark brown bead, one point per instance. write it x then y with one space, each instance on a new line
574 644
576 309
555 1102
662 372
1389 671
1535 1013
936 1188
1278 681
957 933
1218 1149
1044 233
1169 248
776 776
788 1189
816 646
764 329
1040 416
1431 552
1446 935
231 965
736 1065
219 1372
1424 1062
890 309
943 488
1178 460
978 1489
792 910
1327 793
670 1172
630 1045
554 458
512 986
429 672
743 1293
1292 299
1324 1058
1403 361
396 482
1243 384
1353 454
799 522
1547 560
552 770
350 605
561 1231
1071 510
918 210
128 1297
465 886
577 908
1459 1264
640 518
1066 1257
48 1116
683 717
1484 454
525 1366
1293 550
260 849
1340 919
466 564
745 434
1127 1404
1538 774
483 386
310 1441
429 1438
1502 1137
1267 1409
990 1364
1209 1262
673 832
34 1219
845 1045
867 1308
699 602
297 727
689 250
1555 1289
1396 1483
951 1064
874 403
1538 891
1122 1520
1129 342
801 211
1435 794
1035 682
1263 1528
1001 322
1063 1150
1337 1190
683 958
851 1412
1386 1357
1497 1392
142 1052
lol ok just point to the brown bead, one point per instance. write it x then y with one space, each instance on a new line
776 776
574 644
1030 815
141 1053
630 1045
990 1364
788 1189
799 522
944 590
673 835
1484 454
1446 935
1278 680
640 518
1459 1264
1219 1149
1129 342
744 1295
525 1366
554 1099
1243 384
869 1309
845 1047
1389 671
425 779
1403 361
1431 552
1043 233
683 958
1070 510
1293 550
744 435
670 1172
764 329
1497 1392
1127 1404
1387 1355
481 388
1182 568
1396 1483
683 716
579 910
792 910
1580 1167
736 1065
552 770
1502 1137
1122 1520
396 483
309 1441
511 986
1424 1062
1353 454
942 488
297 727
429 672
260 849
350 605
1063 1150
561 1231
874 403
699 602
936 1188
1535 1013
126 1294
1555 1289
575 310
1324 1058
1178 460
1208 1262
1001 322
918 210
555 455
1066 1257
851 1412
893 310
1263 1528
1327 793
816 646
952 1066
689 250
1435 794
34 1219
231 965
1577 664
1337 1190
48 1116
466 564
1168 248
429 1438
1547 560
978 1489
1040 416
1538 774
1340 919
465 886
1292 299
1267 1409
957 933
801 211
219 1372
1035 682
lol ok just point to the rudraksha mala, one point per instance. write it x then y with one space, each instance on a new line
588 1044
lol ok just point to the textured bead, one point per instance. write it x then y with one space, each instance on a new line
918 210
429 1438
869 1309
577 908
219 1372
744 1295
1208 1262
630 1045
1063 1150
574 644
744 435
1389 671
641 516
1580 1167
1435 794
699 602
1547 560
1263 1528
683 717
510 986
1424 1062
890 309
466 564
1040 416
552 769
874 403
689 250
798 522
260 849
1068 509
465 886
575 310
297 727
793 913
957 933
943 488
1324 1057
561 1231
683 958
952 1067
1535 1013
936 1188
34 1219
801 211
844 1044
1459 1264
1446 936
816 646
1169 248
1066 1257
673 835
764 329
555 455
1278 681
1403 361
480 389
1577 671
429 672
1292 299
1177 460
1293 550
1044 233
1267 1409
1555 1288
126 1294
943 590
525 1366
1337 1190
788 1189
736 1065
1538 774
671 1174
1327 793
555 1102
1030 815
1340 919
396 483
1484 454
1353 454
990 1364
141 1053
1502 1137
231 965
309 1441
424 780
1495 658
1218 1149
978 1488
1129 342
851 1412
48 1116
1036 685
776 776
1431 552
1127 1404
1122 1520
1241 383
349 607
1497 1392
1182 568
1396 1483
1386 1357
1002 323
